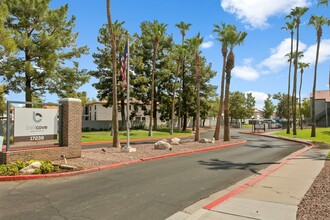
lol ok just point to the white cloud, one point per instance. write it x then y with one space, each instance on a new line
255 13
310 53
260 97
246 71
277 59
207 44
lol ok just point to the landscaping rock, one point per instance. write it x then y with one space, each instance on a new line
162 145
205 140
175 141
68 167
126 149
31 168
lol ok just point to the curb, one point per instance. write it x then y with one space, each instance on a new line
263 175
39 176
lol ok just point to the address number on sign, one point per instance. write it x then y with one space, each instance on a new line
37 138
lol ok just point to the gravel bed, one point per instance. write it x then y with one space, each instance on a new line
316 202
106 156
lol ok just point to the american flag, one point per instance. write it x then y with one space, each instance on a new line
123 66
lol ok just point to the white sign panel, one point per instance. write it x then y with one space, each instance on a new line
35 124
1 142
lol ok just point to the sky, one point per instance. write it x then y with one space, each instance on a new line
260 63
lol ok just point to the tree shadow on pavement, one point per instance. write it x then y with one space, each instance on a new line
216 164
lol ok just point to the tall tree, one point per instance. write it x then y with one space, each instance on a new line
302 66
178 56
45 42
296 15
269 107
194 43
223 38
183 28
249 105
289 26
235 38
317 22
282 107
7 43
104 72
159 31
115 130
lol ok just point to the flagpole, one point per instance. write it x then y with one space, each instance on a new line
128 96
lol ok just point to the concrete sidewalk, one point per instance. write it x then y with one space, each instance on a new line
274 194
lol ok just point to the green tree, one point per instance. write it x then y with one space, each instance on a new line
289 26
269 107
183 28
306 108
7 43
142 61
302 66
282 108
235 38
317 22
2 100
45 42
158 31
223 38
194 44
115 130
249 105
237 109
296 15
104 72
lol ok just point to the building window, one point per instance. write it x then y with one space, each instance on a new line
144 107
95 107
119 109
130 107
143 118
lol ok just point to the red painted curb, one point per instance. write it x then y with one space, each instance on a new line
38 176
257 178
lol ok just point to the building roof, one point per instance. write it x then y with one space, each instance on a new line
103 102
322 94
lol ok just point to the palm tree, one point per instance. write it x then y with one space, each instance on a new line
116 141
194 44
159 31
302 66
323 2
178 56
235 38
183 28
296 14
289 26
222 33
317 22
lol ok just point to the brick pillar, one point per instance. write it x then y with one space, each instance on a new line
71 116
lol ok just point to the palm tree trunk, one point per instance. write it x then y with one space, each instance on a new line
173 100
198 77
294 93
226 135
289 84
219 118
152 90
116 142
300 115
313 132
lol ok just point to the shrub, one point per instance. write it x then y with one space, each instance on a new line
12 169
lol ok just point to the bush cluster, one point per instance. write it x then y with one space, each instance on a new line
13 169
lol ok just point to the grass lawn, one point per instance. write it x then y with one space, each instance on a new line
322 134
134 134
